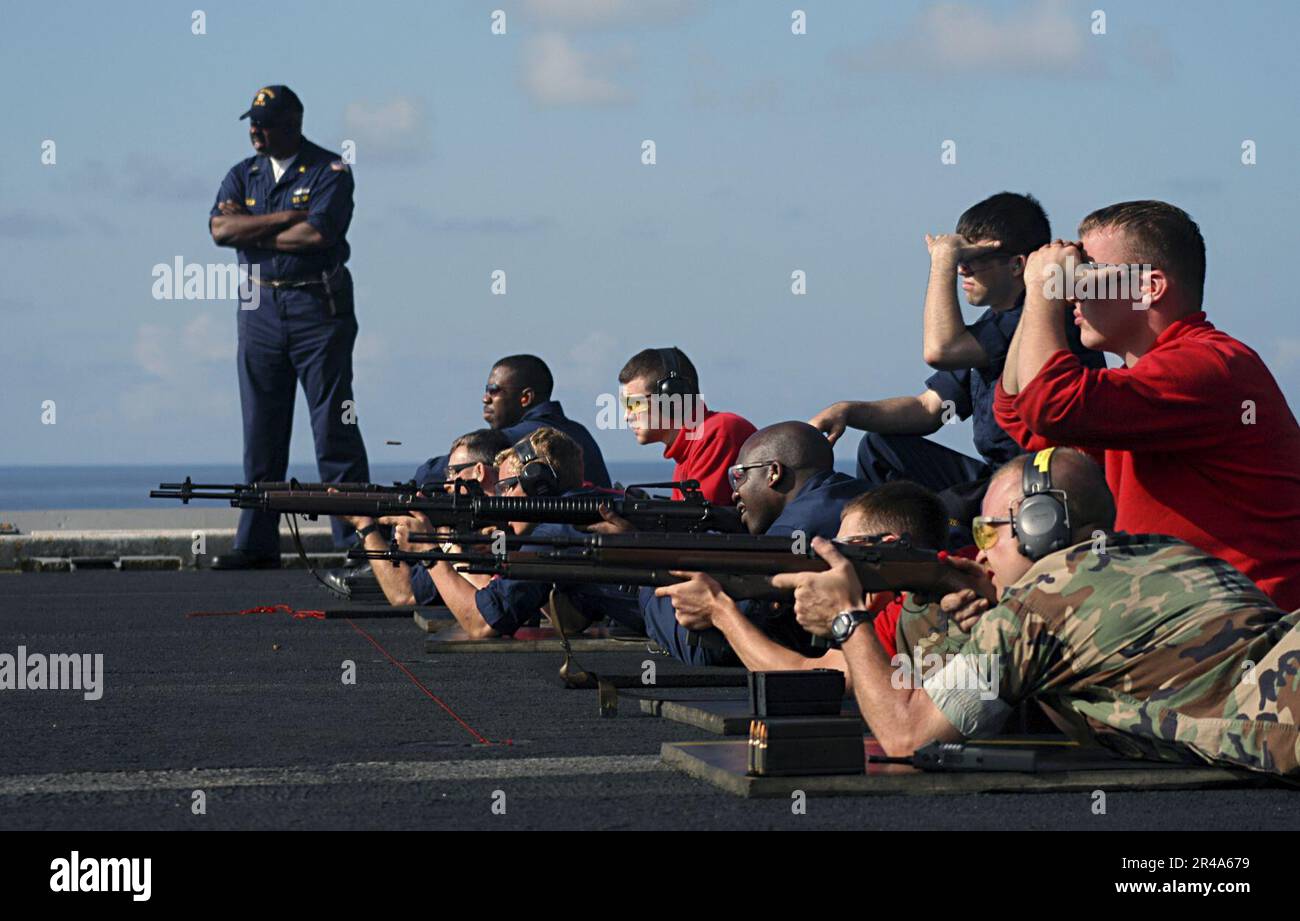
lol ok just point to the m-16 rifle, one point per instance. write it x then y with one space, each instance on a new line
464 505
742 563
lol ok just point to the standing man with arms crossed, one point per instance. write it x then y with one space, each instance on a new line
287 210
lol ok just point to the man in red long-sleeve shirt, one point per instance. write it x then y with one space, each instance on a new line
1197 439
662 405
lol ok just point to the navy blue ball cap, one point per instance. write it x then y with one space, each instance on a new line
273 103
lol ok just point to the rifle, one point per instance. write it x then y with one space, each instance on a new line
742 563
465 506
191 490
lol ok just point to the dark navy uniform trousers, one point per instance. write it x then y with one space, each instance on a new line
290 339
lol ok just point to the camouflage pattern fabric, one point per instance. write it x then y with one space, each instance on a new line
925 629
1153 649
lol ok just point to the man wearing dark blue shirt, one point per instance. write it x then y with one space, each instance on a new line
286 211
784 484
472 457
517 401
988 253
498 607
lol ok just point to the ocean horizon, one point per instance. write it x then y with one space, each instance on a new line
113 486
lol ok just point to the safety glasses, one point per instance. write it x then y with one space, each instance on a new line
737 472
985 530
637 404
506 484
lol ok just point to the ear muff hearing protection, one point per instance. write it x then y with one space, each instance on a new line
674 382
1042 523
536 476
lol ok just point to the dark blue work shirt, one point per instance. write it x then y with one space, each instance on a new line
318 182
971 389
543 415
508 604
815 510
422 587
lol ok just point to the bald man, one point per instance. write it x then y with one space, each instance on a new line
901 623
1140 643
784 483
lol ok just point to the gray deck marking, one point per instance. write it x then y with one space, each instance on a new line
363 772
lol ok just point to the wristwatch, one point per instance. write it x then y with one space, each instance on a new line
365 532
846 622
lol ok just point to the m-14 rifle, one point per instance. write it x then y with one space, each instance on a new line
742 563
191 490
464 506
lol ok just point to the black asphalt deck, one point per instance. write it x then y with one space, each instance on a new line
276 740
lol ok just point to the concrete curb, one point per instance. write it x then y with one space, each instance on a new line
170 548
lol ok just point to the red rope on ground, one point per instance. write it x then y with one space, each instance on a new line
419 684
263 609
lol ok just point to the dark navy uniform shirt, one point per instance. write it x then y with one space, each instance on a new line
542 415
318 182
971 389
508 604
815 510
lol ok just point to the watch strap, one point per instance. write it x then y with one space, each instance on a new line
856 617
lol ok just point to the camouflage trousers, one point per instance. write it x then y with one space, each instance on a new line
1261 715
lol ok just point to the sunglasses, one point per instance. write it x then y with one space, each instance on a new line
454 469
637 404
985 530
737 473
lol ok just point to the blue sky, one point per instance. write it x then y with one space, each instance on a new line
521 152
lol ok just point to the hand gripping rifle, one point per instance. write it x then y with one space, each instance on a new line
742 563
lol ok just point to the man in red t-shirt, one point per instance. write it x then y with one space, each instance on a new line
1197 439
662 405
890 511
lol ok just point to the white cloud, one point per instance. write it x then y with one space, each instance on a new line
164 352
598 13
398 129
187 372
1039 37
557 74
